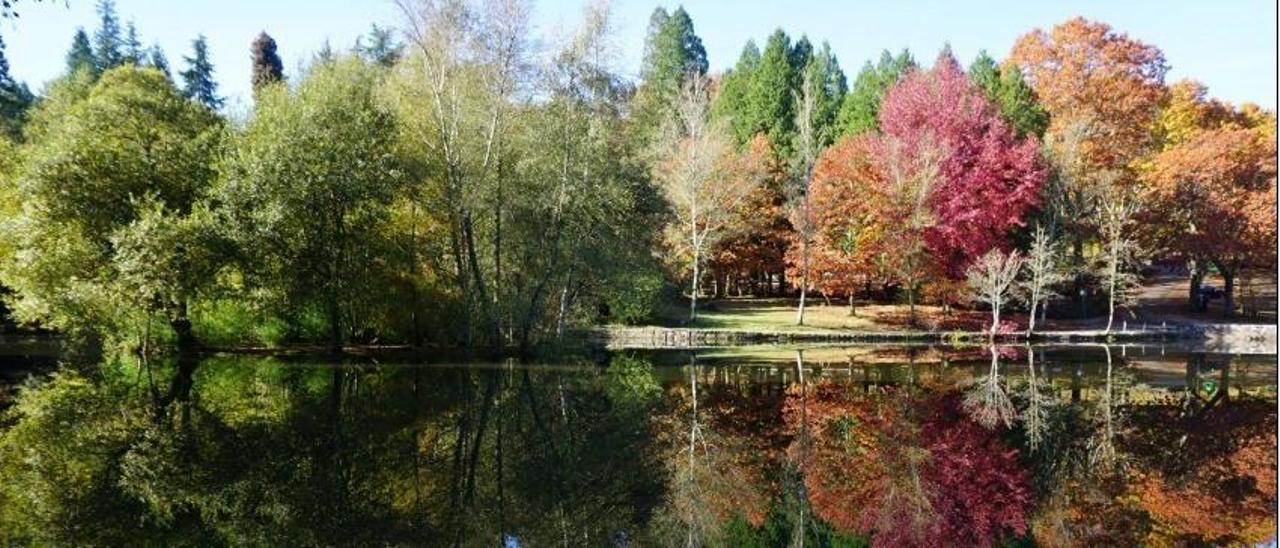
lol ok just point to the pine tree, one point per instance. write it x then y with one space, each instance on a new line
108 42
80 56
770 105
157 60
133 52
861 108
831 86
267 67
379 46
15 98
198 82
731 101
1008 91
673 53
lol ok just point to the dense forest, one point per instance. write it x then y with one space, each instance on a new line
450 182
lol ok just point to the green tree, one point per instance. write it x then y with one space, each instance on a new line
198 81
308 185
829 87
95 165
133 51
731 101
80 56
673 53
379 46
770 104
1006 88
861 107
15 99
267 67
157 60
109 41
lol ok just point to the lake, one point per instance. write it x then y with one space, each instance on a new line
750 446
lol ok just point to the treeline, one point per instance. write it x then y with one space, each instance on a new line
450 183
922 183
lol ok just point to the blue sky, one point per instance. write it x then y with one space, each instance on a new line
1229 45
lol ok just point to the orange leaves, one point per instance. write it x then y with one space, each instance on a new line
1217 193
1085 73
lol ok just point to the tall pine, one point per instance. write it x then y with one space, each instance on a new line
861 108
15 98
198 82
673 52
734 85
157 60
133 52
267 67
80 56
1006 88
770 105
379 46
108 41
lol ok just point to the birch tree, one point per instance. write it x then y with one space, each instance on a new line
991 279
700 176
1119 251
1042 273
806 145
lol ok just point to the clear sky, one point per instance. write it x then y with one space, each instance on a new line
1230 45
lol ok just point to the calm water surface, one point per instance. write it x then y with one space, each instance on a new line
748 447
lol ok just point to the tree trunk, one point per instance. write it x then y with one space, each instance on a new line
804 287
185 337
335 323
852 311
1197 280
693 294
1228 291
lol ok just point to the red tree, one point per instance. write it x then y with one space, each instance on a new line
989 177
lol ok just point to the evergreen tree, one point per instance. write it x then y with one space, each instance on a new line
1009 92
80 56
770 105
108 42
861 106
379 46
133 52
734 85
657 21
157 60
198 82
15 98
673 53
324 55
829 79
801 53
267 67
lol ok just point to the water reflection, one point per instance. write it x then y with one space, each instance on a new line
822 447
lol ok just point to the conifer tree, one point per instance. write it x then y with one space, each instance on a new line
157 60
15 98
108 41
734 86
861 108
673 53
80 56
133 52
198 82
1007 89
379 46
770 105
267 67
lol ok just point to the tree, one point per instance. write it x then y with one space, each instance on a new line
992 277
846 230
911 177
1008 90
731 100
860 109
313 222
108 42
133 148
1042 273
379 46
694 177
770 107
267 67
80 56
673 54
157 60
133 52
1119 250
1085 73
1208 195
198 81
989 177
15 99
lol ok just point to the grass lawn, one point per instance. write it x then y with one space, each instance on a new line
780 315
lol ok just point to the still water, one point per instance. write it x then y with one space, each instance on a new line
825 446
